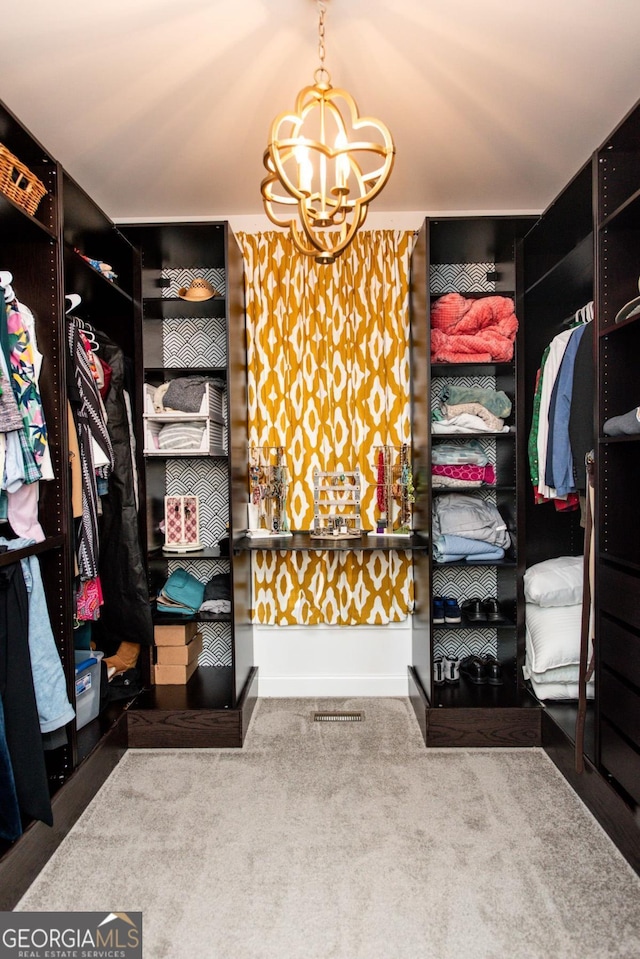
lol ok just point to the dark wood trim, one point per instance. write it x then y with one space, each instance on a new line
28 855
616 817
200 727
248 700
419 701
484 727
517 725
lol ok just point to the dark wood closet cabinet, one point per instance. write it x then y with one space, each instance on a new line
475 257
44 253
585 248
186 338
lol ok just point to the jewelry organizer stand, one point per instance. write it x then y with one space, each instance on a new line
394 491
336 504
181 524
268 487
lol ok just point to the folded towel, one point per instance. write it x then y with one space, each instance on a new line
496 401
492 421
181 436
459 451
448 548
463 423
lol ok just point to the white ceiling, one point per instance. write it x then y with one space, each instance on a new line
161 108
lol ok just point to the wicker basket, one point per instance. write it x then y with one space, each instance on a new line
18 182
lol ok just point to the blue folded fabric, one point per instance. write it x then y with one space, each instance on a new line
448 548
182 593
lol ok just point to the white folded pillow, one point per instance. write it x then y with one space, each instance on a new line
555 582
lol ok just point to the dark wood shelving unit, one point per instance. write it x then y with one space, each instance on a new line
213 708
600 213
461 714
617 707
38 249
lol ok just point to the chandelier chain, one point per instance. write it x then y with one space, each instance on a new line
321 48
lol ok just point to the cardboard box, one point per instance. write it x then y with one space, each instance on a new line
174 675
180 655
178 634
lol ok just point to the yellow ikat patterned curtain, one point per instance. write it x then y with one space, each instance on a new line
328 361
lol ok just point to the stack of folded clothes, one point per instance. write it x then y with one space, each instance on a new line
217 595
184 394
451 469
181 436
472 330
470 409
466 527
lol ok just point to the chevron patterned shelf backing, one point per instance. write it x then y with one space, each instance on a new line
480 642
216 644
463 583
461 278
195 342
174 280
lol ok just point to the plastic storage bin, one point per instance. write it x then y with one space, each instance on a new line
87 686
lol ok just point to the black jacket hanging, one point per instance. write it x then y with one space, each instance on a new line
126 614
22 726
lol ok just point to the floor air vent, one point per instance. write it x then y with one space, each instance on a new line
339 717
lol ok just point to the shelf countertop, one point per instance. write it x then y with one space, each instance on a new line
303 541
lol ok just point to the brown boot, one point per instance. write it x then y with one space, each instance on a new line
125 658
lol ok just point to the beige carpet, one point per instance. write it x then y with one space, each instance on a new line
347 841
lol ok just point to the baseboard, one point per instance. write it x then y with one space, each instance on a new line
307 686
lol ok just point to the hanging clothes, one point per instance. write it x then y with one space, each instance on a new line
22 727
562 427
126 614
559 465
54 708
581 434
88 413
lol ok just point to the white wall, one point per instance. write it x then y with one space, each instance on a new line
333 660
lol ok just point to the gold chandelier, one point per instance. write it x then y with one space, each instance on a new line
317 165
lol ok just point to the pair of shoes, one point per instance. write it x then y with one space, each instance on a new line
482 610
481 670
446 610
446 669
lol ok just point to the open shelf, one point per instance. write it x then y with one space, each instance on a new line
20 225
303 541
